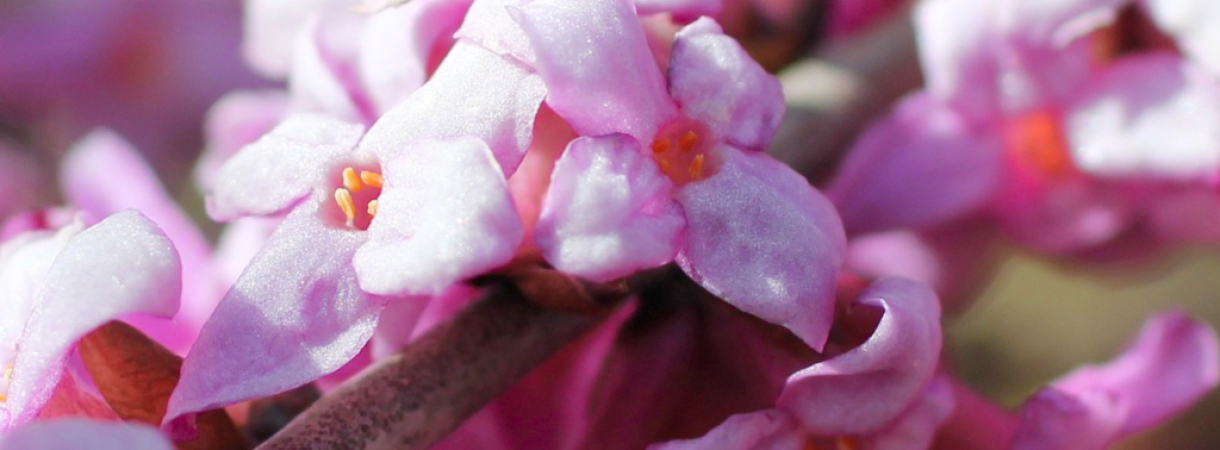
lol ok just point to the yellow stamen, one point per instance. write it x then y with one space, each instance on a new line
372 209
344 199
696 168
687 142
7 377
371 178
351 181
660 146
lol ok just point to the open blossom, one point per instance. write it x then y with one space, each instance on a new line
700 191
59 285
1035 117
1172 363
369 215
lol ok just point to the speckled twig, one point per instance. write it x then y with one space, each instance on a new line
415 398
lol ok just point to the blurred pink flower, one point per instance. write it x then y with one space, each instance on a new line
1068 149
1172 363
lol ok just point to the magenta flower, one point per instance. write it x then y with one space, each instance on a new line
1069 151
310 299
1173 362
73 434
878 395
122 265
701 191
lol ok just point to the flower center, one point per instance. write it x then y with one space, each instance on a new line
357 197
839 443
1037 142
682 149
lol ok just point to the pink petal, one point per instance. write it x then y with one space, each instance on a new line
1193 24
765 241
618 91
296 313
1147 115
608 212
955 52
922 165
122 265
323 75
489 24
474 93
1173 362
74 434
770 429
103 175
867 388
915 428
282 167
444 215
396 46
24 261
269 26
718 83
237 119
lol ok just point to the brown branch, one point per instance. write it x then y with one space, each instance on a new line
415 398
136 375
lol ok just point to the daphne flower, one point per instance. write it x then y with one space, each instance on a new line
306 305
1068 151
59 286
699 191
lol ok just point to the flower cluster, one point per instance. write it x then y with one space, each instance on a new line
600 171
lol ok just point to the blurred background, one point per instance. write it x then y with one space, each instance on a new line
150 69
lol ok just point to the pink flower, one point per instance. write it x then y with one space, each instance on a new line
309 300
1023 120
59 286
1173 362
701 192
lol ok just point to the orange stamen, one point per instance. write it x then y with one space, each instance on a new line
371 178
351 181
687 142
344 198
664 166
660 146
696 168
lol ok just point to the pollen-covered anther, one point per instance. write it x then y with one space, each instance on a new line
683 152
372 208
371 178
344 198
5 379
696 168
688 141
839 443
351 181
